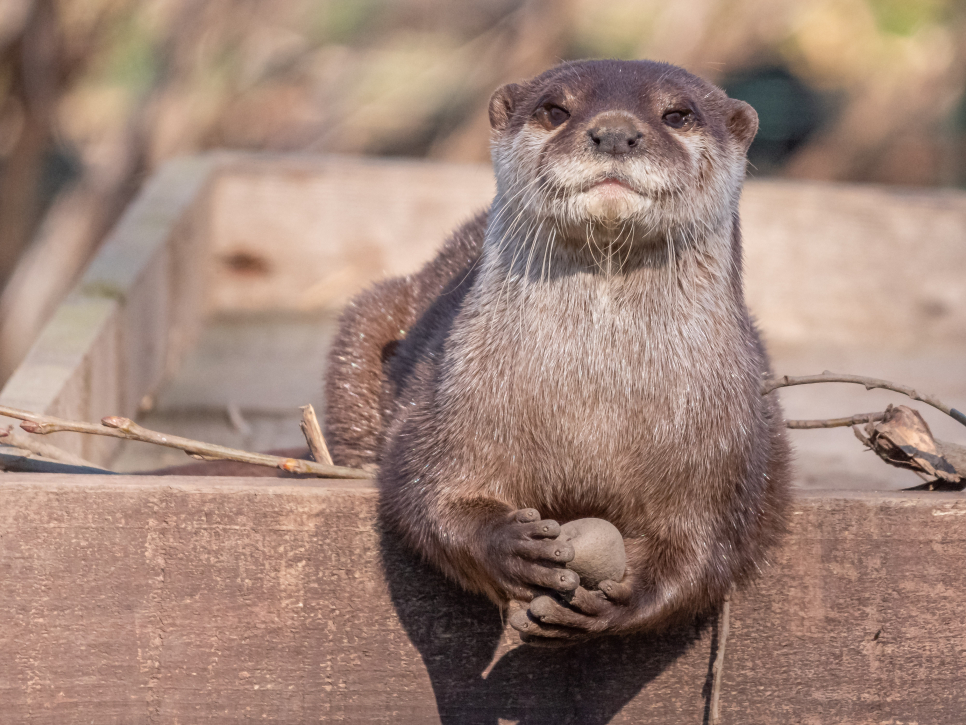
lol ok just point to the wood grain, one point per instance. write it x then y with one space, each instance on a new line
317 230
194 600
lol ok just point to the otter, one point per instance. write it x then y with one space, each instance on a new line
580 349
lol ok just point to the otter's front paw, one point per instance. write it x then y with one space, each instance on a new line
524 550
551 622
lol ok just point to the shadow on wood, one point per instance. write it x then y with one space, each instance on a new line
460 635
172 599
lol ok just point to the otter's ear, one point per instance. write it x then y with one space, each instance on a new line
502 103
742 123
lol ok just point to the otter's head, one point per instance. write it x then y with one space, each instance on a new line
619 144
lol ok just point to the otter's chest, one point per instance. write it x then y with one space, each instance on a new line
594 373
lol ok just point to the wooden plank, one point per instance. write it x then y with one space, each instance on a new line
306 233
191 266
271 363
155 268
861 619
192 600
830 266
826 263
72 371
855 265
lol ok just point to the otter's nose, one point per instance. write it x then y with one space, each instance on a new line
614 134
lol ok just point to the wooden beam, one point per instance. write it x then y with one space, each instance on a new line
307 233
201 600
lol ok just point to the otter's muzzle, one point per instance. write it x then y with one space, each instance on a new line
615 134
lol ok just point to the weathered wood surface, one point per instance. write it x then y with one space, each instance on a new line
855 265
306 233
192 600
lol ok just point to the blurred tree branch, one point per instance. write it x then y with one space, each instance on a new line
32 62
123 85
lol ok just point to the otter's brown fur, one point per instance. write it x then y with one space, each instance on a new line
582 349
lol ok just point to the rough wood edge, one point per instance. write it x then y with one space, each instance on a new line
921 499
308 486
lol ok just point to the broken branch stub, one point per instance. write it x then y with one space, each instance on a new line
313 435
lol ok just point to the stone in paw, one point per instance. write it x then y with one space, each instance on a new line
598 551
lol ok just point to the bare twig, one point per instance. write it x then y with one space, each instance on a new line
14 437
869 383
835 422
118 427
717 668
313 435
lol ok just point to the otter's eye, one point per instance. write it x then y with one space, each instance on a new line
551 115
680 118
557 115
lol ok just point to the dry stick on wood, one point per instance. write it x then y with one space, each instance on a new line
724 623
835 422
869 383
313 435
118 427
903 439
952 455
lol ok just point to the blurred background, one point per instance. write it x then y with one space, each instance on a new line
95 94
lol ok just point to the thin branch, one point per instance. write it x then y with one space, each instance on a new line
118 427
835 422
313 435
718 666
14 437
869 383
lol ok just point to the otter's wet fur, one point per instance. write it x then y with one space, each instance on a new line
581 349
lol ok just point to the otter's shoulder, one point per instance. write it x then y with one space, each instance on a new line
459 254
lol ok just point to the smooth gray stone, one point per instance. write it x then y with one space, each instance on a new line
598 550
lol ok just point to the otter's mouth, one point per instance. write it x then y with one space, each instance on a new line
612 184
